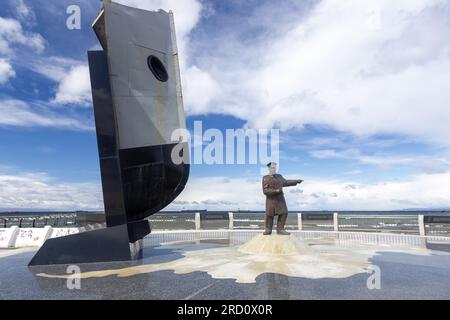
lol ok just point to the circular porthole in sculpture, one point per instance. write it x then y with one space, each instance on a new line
157 68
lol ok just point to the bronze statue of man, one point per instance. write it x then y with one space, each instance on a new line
273 184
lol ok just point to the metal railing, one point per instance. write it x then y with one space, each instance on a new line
39 222
436 225
319 222
404 224
169 221
396 224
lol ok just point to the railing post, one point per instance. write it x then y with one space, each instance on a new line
335 222
230 221
299 221
421 225
197 221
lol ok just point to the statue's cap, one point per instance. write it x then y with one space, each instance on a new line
270 163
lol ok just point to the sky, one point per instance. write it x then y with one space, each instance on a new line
359 91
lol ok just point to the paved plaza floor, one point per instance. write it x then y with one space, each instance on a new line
259 269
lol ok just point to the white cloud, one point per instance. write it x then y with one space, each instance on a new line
197 81
24 12
74 87
429 164
22 9
6 71
212 192
355 154
419 191
18 113
364 67
40 191
54 68
12 33
71 75
434 166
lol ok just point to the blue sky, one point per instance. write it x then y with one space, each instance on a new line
359 92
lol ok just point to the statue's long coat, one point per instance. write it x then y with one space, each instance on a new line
273 189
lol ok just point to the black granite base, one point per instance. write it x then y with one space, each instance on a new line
109 244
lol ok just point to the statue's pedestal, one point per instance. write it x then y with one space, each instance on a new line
274 244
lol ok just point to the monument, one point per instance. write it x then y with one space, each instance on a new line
137 99
273 184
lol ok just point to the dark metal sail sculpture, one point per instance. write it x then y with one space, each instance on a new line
138 104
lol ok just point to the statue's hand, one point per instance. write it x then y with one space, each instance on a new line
299 181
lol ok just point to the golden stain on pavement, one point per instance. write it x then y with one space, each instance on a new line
11 252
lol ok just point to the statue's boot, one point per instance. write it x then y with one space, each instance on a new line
280 225
268 225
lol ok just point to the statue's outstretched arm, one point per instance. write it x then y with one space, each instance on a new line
290 183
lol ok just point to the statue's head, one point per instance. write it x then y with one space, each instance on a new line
272 167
